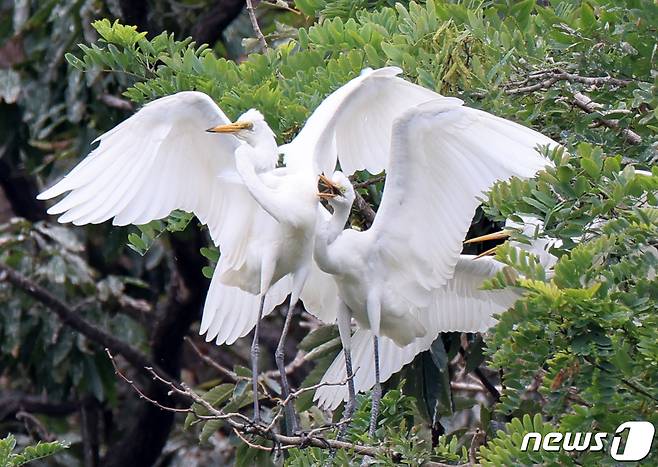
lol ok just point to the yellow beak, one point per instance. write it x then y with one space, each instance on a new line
502 235
327 188
489 252
231 127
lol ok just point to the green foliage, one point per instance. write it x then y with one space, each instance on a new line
30 453
476 52
588 324
584 328
149 233
505 449
584 331
58 359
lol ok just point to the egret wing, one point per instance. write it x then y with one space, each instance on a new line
320 293
458 306
443 157
230 312
353 124
158 160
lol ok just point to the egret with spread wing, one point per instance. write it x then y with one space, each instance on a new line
460 306
163 158
443 156
182 152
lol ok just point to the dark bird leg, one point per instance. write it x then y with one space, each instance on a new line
376 391
291 418
255 353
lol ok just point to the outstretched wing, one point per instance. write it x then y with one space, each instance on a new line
230 312
158 160
443 157
353 124
458 306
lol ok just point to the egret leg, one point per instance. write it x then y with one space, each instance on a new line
255 353
344 328
291 419
376 391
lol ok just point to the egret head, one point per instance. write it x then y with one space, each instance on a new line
250 127
336 190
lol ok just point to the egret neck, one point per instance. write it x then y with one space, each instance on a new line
329 231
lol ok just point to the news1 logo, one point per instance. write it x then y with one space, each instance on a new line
637 446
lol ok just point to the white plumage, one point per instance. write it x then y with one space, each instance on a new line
395 279
443 156
262 218
458 306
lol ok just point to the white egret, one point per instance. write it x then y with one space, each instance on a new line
460 306
443 155
262 218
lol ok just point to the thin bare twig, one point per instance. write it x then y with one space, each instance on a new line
370 181
589 106
249 443
254 24
246 426
139 392
299 392
550 77
222 369
185 390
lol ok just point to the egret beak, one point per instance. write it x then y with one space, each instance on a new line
231 127
327 188
502 235
489 252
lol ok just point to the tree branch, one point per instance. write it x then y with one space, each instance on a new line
89 429
211 24
589 106
147 433
364 209
14 403
69 317
255 26
625 382
246 426
370 181
550 77
482 377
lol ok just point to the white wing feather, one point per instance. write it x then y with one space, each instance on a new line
159 160
230 312
458 306
353 124
443 157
